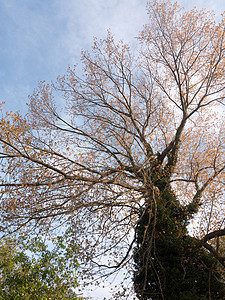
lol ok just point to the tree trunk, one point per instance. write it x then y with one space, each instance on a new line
168 261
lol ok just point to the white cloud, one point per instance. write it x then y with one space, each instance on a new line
208 4
40 38
89 18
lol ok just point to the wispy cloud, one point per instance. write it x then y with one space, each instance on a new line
88 18
216 5
40 38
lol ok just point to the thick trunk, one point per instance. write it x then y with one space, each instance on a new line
168 262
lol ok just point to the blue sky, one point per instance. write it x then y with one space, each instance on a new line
40 38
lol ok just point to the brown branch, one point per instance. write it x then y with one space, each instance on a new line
220 258
165 152
213 234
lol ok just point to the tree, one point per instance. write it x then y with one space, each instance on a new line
134 157
32 271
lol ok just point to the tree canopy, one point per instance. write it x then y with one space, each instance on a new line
128 154
30 270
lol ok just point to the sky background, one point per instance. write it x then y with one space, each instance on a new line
40 38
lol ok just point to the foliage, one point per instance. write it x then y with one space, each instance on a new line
185 272
136 155
32 271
